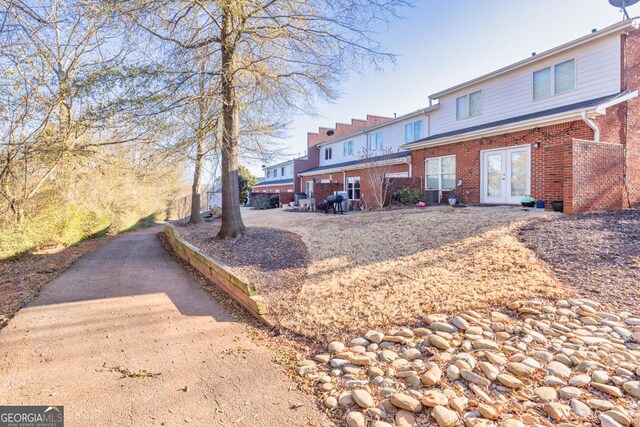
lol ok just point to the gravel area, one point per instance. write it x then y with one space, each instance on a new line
381 269
598 254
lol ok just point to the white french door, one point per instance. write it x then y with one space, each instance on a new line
505 175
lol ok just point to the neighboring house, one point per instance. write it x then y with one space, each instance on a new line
561 125
284 177
214 198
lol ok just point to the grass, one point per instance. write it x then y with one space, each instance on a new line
383 269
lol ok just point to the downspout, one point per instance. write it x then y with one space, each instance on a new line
592 125
344 180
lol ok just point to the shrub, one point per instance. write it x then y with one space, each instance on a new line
274 201
260 202
408 196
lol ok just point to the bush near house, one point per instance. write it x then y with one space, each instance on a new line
408 196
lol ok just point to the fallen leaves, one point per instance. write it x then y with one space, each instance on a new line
126 373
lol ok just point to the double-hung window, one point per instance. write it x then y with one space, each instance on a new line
375 141
554 80
275 173
469 105
413 131
282 171
353 188
441 173
347 149
327 153
268 174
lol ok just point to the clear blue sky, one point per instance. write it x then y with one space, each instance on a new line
441 43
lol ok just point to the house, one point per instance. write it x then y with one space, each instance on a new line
561 125
214 198
284 177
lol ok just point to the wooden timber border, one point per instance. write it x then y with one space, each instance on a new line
239 289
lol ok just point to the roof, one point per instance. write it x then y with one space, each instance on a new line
379 125
577 107
392 156
276 182
619 27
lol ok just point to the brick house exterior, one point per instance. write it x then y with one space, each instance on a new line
568 161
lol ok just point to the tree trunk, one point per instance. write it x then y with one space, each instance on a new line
232 225
195 217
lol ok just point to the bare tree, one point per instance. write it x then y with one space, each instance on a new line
378 168
292 51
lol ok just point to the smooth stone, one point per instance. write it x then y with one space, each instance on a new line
432 376
554 381
599 404
488 411
580 380
619 417
404 401
633 388
509 381
404 418
559 369
439 342
474 378
459 404
609 389
601 377
569 393
362 398
460 323
580 408
484 344
557 411
374 336
331 402
335 347
607 421
388 356
379 423
444 417
453 373
355 419
443 327
490 371
546 394
520 370
434 398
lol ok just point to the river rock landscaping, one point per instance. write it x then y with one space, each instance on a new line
570 363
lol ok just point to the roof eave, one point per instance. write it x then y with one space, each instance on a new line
396 161
512 127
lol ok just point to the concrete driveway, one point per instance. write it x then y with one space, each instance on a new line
128 307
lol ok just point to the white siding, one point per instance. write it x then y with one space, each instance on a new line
511 95
288 171
392 138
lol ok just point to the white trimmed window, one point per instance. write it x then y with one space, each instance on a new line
397 175
375 141
562 79
469 105
440 173
353 188
268 174
282 171
413 131
347 149
328 153
275 173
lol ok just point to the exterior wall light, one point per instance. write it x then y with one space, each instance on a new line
537 144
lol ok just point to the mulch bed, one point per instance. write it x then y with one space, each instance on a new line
596 254
275 261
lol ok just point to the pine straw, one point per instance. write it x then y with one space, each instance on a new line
383 269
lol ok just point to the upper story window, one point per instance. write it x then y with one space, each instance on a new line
413 131
562 79
282 171
268 174
375 141
275 173
469 105
347 148
327 153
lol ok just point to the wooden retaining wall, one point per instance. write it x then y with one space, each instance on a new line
239 289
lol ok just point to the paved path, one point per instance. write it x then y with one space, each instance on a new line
129 304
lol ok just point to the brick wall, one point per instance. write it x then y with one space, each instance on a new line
593 176
273 188
631 81
322 191
546 161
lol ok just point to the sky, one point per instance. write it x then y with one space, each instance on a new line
441 43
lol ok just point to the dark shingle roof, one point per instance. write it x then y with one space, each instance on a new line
391 156
277 182
538 114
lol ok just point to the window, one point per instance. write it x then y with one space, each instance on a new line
397 175
413 131
347 148
542 83
441 173
375 141
275 173
563 79
282 171
268 174
327 153
469 105
564 76
353 188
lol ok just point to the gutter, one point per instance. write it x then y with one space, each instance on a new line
592 125
344 169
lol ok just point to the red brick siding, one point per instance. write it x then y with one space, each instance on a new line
593 176
631 81
546 161
274 188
